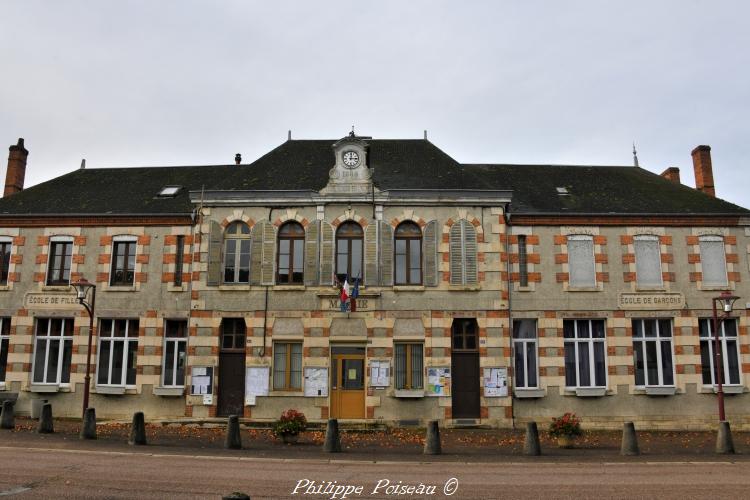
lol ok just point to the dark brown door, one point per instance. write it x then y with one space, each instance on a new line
465 369
232 368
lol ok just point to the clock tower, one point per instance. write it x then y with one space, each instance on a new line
350 174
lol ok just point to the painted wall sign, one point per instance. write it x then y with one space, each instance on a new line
50 301
651 301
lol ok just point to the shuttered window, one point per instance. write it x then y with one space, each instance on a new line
326 253
311 253
713 260
647 261
349 251
463 253
408 254
291 255
581 260
237 253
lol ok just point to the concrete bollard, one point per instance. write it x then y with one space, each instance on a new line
432 442
629 440
724 443
233 440
332 443
45 420
8 421
531 444
88 427
138 429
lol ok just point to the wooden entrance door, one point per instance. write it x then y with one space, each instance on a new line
348 382
232 368
465 369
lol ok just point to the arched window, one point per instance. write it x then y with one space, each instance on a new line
349 253
291 256
237 253
408 253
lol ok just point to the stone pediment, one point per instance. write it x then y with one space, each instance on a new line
350 174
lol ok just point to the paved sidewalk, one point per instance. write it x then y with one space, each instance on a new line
460 445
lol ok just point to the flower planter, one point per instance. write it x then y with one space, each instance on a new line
565 441
289 438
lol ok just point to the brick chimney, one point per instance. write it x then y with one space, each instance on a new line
672 174
16 169
704 175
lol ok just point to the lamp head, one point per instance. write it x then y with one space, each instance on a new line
727 301
82 289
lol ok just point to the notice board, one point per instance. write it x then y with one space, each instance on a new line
256 383
201 380
316 382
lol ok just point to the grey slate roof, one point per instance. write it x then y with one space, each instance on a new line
398 164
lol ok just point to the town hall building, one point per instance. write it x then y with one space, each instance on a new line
378 281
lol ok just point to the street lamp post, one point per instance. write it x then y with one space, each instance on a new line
82 288
726 300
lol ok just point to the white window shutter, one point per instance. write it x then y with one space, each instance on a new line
269 257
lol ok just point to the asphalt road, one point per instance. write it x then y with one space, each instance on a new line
54 473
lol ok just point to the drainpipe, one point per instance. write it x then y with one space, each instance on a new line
511 378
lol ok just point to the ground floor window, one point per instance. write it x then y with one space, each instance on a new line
409 366
53 350
4 341
728 348
118 348
287 366
585 353
175 347
652 352
524 348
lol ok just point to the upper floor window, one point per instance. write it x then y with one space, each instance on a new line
585 353
581 260
728 349
179 257
123 262
713 260
291 255
463 253
647 261
523 262
408 251
237 253
5 246
349 255
60 256
652 352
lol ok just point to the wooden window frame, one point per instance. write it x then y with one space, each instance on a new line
407 254
292 238
126 244
235 334
56 276
179 257
287 367
523 261
239 236
409 348
6 247
348 240
463 334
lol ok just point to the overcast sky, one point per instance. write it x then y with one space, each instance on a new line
194 82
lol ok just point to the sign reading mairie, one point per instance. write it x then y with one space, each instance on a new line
651 301
50 301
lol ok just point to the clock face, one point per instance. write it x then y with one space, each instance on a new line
351 159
